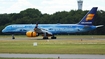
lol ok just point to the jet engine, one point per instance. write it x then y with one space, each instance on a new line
31 34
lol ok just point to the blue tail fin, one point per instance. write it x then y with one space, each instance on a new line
89 17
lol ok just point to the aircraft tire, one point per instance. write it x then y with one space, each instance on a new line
45 37
53 37
13 37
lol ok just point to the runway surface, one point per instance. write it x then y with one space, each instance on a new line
63 37
67 56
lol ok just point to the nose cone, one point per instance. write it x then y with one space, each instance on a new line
3 31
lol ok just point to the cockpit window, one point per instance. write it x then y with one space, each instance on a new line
8 27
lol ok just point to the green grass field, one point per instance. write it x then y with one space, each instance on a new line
67 44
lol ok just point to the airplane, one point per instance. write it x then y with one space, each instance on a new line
34 30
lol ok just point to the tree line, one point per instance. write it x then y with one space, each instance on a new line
32 15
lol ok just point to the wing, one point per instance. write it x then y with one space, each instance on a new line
42 31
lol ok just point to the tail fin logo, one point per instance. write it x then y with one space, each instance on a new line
89 17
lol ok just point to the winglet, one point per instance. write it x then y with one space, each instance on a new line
89 17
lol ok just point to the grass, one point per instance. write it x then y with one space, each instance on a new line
64 45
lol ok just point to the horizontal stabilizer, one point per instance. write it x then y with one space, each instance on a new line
99 26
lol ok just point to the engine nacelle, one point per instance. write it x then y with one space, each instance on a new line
31 34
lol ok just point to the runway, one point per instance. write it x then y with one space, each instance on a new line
61 56
59 37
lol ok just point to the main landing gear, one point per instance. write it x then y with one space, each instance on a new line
53 37
46 37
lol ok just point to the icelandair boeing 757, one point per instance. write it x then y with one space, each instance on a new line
34 30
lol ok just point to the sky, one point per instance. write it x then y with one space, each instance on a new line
48 6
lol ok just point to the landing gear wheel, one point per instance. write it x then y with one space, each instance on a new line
53 37
13 37
45 37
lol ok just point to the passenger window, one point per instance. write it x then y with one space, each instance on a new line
50 29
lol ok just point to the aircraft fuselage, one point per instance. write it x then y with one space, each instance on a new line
53 28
